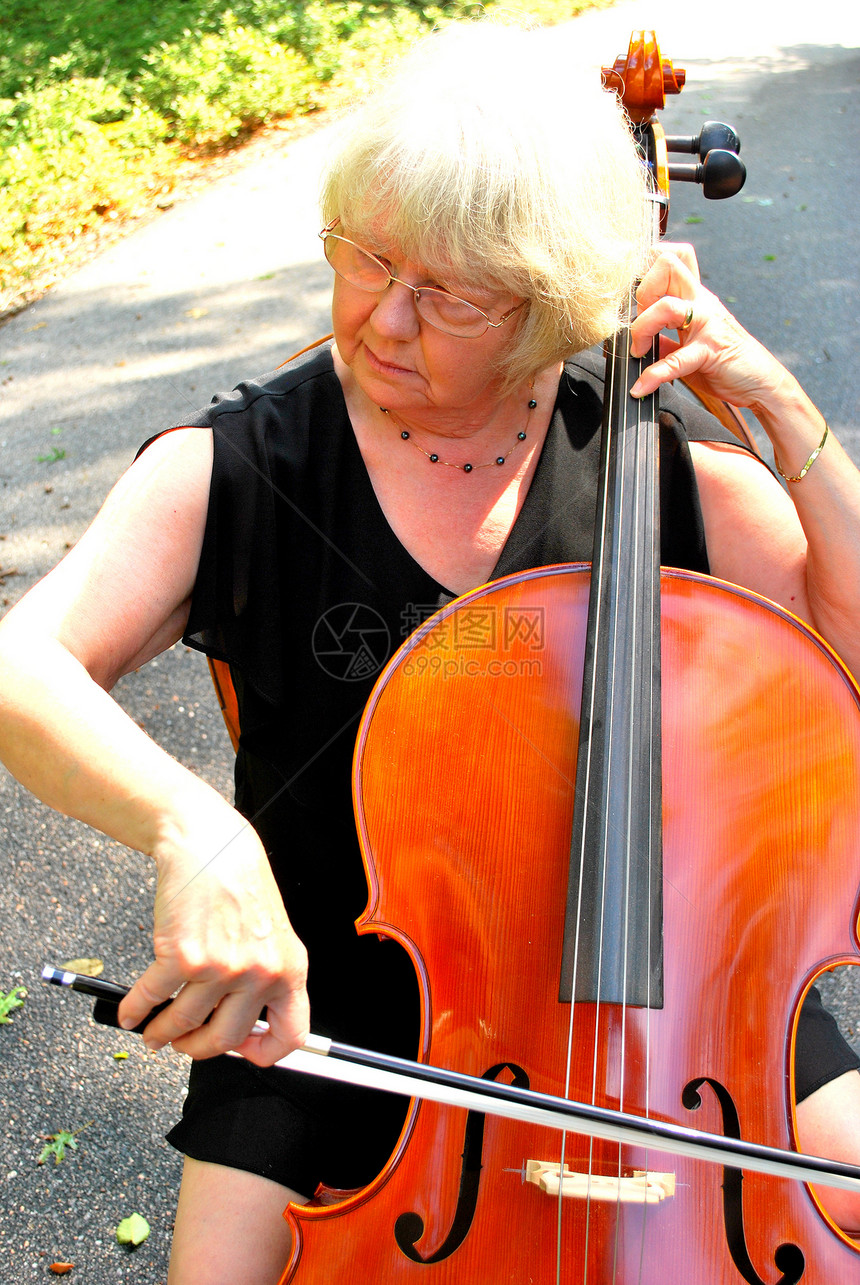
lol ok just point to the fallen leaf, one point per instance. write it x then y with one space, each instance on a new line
56 1146
61 1269
89 967
118 1057
132 1230
57 1142
16 995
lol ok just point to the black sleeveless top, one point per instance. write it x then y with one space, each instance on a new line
305 590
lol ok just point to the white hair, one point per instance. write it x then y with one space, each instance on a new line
486 158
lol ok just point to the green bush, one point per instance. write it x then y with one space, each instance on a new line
51 113
212 88
101 100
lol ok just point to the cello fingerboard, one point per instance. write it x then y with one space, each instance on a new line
613 924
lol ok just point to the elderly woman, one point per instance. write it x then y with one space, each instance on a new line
480 247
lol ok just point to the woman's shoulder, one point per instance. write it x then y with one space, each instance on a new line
309 373
260 411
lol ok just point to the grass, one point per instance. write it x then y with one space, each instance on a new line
106 105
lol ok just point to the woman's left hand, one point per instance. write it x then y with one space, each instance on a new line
712 351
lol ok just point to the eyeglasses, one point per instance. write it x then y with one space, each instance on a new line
438 308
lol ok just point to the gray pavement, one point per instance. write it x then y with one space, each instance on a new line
227 284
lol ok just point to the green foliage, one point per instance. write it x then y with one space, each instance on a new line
96 38
71 152
212 88
8 1002
100 100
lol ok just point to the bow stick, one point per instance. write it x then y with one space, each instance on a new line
343 1062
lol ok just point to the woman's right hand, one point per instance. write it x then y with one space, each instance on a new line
223 941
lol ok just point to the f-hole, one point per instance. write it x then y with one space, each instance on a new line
409 1228
788 1258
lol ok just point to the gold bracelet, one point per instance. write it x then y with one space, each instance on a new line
809 463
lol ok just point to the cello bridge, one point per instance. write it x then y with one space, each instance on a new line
642 1187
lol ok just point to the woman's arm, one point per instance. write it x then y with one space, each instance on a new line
799 546
116 600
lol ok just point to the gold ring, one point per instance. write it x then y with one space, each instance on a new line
688 320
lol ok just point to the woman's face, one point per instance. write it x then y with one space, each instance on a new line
405 364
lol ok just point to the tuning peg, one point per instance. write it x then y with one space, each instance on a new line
721 174
715 136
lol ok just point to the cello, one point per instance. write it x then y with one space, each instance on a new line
599 850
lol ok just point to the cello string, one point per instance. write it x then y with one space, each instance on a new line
647 444
650 439
629 478
618 479
611 640
626 644
625 943
652 214
624 330
588 706
637 492
630 497
623 695
584 765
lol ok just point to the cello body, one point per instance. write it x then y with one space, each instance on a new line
464 781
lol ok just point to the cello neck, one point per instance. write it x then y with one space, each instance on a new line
612 949
613 941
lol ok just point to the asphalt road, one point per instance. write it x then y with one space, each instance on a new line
226 284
